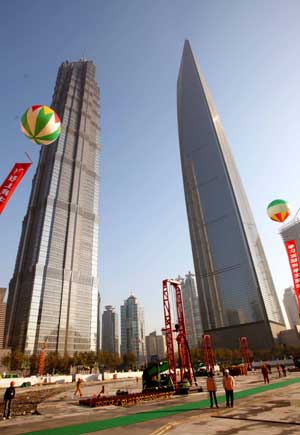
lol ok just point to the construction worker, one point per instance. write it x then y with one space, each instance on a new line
278 370
78 389
265 373
8 397
212 388
228 384
283 369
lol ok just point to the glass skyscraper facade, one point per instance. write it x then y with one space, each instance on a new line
291 307
2 316
54 291
110 330
155 347
133 329
192 315
236 291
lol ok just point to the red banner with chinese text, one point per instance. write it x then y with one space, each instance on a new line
291 249
11 182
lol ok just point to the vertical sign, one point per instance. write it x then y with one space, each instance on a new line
291 249
11 182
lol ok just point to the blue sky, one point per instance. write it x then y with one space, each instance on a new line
249 53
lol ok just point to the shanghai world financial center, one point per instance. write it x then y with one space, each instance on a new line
54 294
236 291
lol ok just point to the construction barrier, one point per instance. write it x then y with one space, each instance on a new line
126 399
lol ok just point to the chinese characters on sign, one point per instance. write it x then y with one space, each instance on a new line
11 182
291 249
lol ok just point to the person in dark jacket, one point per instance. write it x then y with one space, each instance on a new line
265 373
78 389
8 397
283 369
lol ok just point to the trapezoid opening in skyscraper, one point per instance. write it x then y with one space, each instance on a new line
237 296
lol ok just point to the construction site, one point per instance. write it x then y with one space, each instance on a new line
159 395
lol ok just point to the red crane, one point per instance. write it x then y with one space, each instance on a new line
245 352
42 358
208 353
186 370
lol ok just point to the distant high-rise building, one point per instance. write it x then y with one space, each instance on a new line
175 342
237 296
291 307
53 294
290 232
155 346
2 316
190 301
98 346
110 330
133 329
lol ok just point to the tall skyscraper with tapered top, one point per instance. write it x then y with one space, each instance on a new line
236 291
53 294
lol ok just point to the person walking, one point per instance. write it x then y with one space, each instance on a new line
212 388
8 397
228 384
265 373
78 389
283 369
278 370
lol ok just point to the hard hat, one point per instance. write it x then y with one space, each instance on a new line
227 371
12 383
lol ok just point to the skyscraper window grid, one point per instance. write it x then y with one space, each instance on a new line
233 278
55 285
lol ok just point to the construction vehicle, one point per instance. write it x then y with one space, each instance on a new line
237 369
157 384
155 378
187 376
244 349
296 360
243 365
209 357
42 357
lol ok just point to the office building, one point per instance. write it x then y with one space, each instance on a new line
290 337
98 345
2 316
53 294
110 330
291 231
155 347
291 307
191 308
133 329
237 296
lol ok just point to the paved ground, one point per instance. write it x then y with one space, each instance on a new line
273 413
257 411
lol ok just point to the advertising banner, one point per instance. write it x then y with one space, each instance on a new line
291 249
11 182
